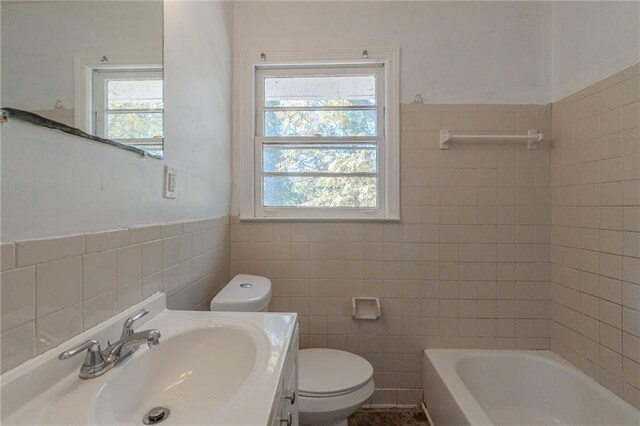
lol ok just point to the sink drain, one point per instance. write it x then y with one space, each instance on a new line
156 415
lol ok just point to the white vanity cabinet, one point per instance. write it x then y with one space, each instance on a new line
285 407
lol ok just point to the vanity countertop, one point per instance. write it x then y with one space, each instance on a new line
209 368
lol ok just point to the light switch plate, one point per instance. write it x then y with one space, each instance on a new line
170 188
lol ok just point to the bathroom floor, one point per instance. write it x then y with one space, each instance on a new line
412 416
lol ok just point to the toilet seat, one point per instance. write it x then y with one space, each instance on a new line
325 373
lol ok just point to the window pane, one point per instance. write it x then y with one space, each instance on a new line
134 94
357 90
303 191
321 158
135 125
320 123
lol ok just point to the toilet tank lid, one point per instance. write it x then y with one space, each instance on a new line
247 293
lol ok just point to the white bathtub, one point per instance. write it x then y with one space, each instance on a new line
484 387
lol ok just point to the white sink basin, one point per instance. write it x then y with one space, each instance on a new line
209 368
204 368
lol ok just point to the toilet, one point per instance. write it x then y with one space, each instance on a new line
332 384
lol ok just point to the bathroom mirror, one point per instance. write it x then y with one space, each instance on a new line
92 68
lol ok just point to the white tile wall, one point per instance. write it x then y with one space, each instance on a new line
595 250
467 266
54 288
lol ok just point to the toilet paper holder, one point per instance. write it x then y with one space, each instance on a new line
366 308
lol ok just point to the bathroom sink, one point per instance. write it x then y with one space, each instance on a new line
192 374
209 368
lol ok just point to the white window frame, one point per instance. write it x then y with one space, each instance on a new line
248 143
99 96
83 68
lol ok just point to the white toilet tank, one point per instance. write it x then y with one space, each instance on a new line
244 293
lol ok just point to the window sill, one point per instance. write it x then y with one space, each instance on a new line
319 219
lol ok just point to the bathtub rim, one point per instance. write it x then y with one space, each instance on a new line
445 362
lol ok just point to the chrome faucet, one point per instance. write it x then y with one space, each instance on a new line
97 362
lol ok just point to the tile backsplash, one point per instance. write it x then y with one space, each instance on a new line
595 238
467 266
55 288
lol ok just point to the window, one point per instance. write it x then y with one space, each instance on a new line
128 107
321 143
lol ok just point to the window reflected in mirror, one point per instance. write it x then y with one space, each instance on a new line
128 107
95 66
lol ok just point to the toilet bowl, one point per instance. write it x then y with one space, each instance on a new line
332 384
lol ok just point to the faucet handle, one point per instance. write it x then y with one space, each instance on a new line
94 360
89 345
127 328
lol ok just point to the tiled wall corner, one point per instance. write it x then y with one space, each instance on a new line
595 234
467 266
54 288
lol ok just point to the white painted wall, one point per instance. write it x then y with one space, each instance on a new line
40 38
451 52
591 41
53 183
